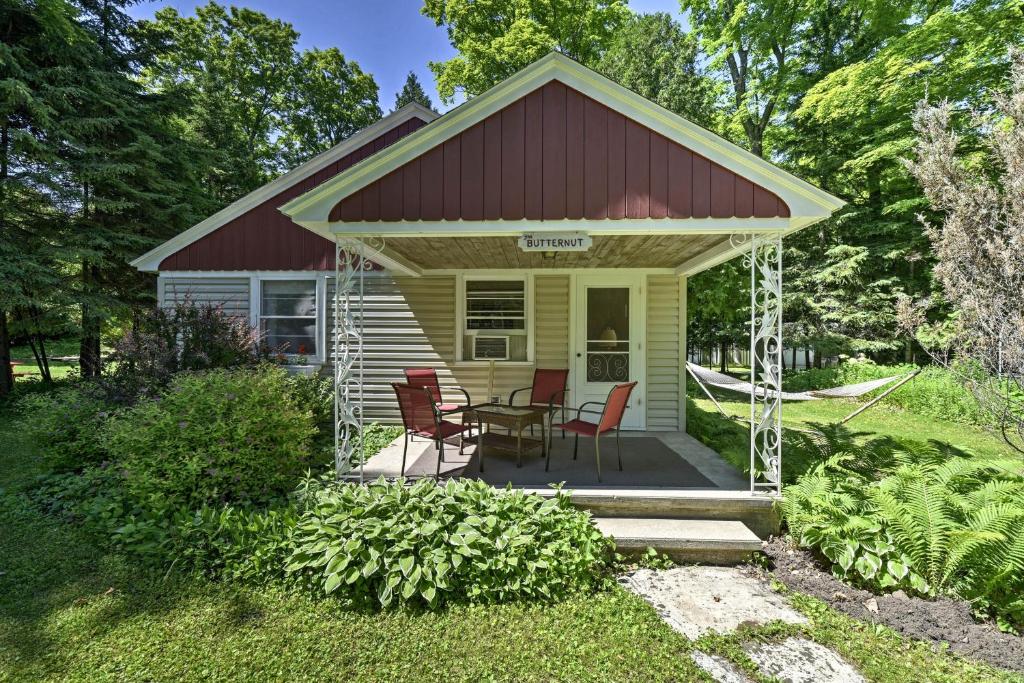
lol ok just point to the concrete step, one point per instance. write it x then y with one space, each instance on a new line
711 541
757 511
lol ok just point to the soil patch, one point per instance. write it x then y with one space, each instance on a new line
937 621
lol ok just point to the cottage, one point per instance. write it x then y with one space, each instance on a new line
551 222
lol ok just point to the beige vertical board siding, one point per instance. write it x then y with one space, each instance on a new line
663 360
231 293
410 322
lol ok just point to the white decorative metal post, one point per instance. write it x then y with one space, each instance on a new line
765 261
347 356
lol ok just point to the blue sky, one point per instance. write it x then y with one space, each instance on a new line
387 37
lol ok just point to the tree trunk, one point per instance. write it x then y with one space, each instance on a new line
817 358
807 358
6 371
723 362
89 346
793 364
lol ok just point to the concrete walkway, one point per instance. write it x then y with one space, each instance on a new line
699 600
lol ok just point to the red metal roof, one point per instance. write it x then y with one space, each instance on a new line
265 239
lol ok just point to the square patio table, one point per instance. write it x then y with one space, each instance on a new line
515 418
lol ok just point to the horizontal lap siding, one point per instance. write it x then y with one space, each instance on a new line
663 352
410 322
230 293
263 238
558 154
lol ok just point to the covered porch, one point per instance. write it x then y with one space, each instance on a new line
552 223
669 460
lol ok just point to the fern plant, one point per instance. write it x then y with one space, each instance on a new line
901 514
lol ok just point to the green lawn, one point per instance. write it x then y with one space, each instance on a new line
54 348
69 610
732 441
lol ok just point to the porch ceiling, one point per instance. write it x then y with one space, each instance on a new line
608 251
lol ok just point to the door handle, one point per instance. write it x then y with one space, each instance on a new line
579 355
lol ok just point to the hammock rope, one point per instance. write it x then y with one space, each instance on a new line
709 378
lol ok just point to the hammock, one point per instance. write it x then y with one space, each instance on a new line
706 378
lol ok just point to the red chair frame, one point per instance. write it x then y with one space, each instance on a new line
427 378
413 403
611 418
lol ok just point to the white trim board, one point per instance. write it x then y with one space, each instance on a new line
620 226
312 209
150 261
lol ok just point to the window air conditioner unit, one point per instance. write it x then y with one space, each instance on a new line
490 348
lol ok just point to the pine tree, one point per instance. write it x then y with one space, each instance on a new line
412 91
35 40
134 178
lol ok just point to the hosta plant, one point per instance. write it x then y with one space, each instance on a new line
388 543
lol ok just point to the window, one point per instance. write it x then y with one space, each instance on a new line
288 316
495 322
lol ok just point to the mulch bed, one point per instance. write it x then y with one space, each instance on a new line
936 621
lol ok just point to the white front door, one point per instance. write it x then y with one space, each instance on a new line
609 341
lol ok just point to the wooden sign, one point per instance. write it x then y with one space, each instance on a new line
555 241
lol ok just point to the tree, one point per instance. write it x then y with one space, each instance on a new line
850 131
412 91
755 46
32 49
719 308
979 247
236 68
332 99
496 38
255 101
652 56
132 179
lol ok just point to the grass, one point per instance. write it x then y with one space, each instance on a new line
731 439
71 610
58 368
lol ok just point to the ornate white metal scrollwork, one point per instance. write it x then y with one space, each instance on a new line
608 367
350 264
765 263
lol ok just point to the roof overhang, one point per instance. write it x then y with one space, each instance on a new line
150 261
807 203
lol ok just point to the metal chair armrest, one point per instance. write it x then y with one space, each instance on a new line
457 388
551 401
512 396
580 410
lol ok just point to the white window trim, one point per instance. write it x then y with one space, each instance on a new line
256 281
460 315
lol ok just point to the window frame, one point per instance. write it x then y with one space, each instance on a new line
319 288
461 331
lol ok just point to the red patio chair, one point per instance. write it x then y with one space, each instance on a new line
611 418
422 417
547 392
426 378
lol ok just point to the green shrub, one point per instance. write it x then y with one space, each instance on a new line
376 436
386 543
188 336
316 394
902 514
66 423
936 392
229 543
233 436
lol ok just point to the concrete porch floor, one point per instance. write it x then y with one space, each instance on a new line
650 460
